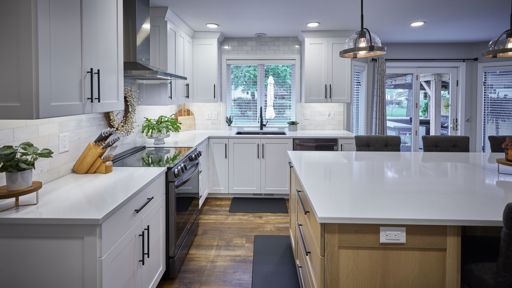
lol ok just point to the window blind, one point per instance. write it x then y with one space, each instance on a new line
358 101
497 103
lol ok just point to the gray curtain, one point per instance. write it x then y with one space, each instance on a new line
377 113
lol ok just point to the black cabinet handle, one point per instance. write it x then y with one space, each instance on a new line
97 73
170 90
144 205
143 254
306 212
299 226
214 91
258 151
301 278
325 91
262 151
91 72
330 91
187 86
147 244
225 151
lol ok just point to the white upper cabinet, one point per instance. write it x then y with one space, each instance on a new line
52 46
205 54
326 74
183 66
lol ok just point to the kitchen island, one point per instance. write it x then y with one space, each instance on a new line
384 219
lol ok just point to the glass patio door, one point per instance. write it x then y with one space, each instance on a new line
421 101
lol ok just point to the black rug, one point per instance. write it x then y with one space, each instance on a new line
258 205
273 264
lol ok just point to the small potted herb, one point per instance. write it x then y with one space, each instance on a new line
160 128
229 121
17 162
292 125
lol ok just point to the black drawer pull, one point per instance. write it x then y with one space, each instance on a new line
91 74
301 278
99 81
306 212
143 254
147 244
299 226
144 205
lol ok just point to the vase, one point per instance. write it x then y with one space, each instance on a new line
159 138
292 128
18 180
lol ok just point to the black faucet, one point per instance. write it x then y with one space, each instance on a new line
261 119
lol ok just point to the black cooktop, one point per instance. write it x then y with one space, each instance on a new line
151 157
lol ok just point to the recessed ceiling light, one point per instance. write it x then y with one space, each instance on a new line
313 24
212 25
417 23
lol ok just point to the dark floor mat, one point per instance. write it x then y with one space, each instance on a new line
273 264
258 205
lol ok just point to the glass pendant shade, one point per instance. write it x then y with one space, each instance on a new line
363 44
501 47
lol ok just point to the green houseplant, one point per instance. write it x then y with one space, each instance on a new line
292 125
160 128
17 162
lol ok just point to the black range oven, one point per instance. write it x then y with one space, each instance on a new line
182 195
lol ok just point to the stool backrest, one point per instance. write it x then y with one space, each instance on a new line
378 143
445 143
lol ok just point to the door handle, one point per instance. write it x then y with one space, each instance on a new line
258 151
306 212
330 91
143 254
144 205
213 91
91 73
301 234
225 151
147 244
187 87
325 91
97 73
262 151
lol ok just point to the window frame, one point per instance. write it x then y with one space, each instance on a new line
261 60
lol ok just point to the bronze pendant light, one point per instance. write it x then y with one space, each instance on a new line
363 43
501 47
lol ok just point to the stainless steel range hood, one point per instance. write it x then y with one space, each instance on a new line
137 35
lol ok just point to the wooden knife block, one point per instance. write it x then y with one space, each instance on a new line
90 161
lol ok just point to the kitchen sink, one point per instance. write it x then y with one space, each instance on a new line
257 132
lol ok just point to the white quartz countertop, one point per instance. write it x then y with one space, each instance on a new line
82 199
404 188
195 137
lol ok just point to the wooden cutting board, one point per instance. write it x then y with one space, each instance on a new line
186 118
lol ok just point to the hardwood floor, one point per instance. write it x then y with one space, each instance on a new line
221 255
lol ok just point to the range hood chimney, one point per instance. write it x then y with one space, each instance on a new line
137 30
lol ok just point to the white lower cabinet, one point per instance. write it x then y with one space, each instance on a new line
107 255
218 166
259 166
203 170
244 166
275 172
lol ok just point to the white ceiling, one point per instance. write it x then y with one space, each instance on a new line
447 20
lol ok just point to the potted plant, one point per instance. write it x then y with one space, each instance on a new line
292 125
229 121
18 162
160 128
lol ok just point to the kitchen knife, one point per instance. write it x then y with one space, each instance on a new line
104 135
111 142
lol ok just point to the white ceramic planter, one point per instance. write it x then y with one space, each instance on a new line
159 139
18 180
292 128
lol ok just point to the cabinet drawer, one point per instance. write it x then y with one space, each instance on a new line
307 218
313 260
303 268
122 220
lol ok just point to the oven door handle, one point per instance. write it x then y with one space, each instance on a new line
192 175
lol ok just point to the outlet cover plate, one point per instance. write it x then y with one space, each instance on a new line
392 235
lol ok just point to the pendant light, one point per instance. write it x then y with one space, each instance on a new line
501 47
363 43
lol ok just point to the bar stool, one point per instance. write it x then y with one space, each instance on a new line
378 143
445 143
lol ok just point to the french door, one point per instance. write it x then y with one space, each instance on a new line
421 101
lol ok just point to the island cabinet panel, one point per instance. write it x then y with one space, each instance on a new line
351 255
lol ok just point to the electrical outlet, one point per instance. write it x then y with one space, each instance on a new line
395 235
63 142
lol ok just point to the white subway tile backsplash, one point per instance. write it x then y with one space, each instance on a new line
25 132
